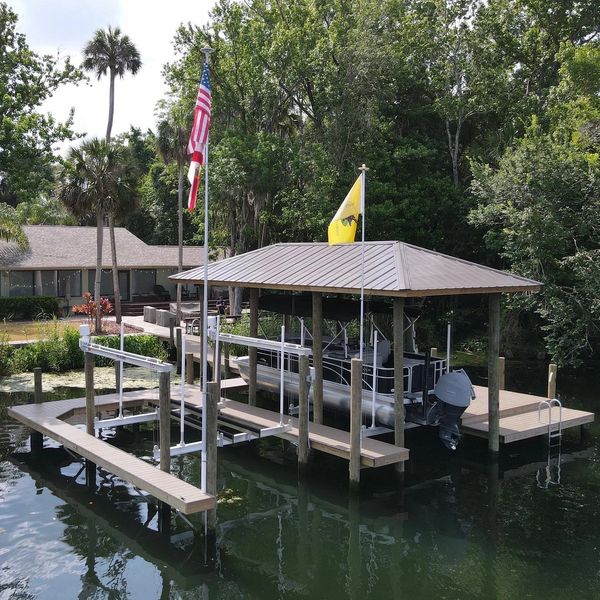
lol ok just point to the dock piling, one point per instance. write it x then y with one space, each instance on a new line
552 372
317 347
252 362
227 362
164 407
189 368
398 318
36 438
501 372
303 415
355 422
214 395
493 374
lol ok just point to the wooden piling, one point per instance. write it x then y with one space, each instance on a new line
303 414
398 317
217 364
178 346
552 373
252 351
355 421
433 352
501 373
36 438
493 373
214 395
164 416
189 368
317 333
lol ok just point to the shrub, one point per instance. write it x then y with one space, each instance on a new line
6 355
28 307
146 345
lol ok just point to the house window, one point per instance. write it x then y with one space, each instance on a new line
69 283
106 283
48 283
144 281
20 283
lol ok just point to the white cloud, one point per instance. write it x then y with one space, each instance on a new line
66 25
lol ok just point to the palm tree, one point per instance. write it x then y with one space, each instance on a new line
114 53
171 143
96 180
10 228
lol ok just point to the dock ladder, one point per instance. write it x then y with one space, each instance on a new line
546 476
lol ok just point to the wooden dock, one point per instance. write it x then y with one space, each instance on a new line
48 418
519 418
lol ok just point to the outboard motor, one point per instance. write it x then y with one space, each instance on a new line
454 392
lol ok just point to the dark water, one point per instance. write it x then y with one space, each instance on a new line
461 527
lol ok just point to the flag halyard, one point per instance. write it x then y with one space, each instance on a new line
342 229
199 134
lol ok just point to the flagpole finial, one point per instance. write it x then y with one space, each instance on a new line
363 168
207 51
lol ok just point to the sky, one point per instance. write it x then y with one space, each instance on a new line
64 26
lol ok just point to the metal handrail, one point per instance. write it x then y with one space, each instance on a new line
549 404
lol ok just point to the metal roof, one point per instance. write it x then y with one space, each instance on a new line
73 247
391 269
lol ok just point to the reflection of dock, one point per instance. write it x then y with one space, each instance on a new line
519 419
49 418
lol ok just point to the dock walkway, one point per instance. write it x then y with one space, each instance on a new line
519 418
48 418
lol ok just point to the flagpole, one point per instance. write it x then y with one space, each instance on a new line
363 170
203 461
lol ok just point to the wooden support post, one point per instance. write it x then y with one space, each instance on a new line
501 373
398 317
217 364
252 351
552 372
214 395
171 334
36 438
303 414
317 333
164 409
355 421
178 346
189 368
493 374
227 365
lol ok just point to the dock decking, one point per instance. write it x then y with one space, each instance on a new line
47 418
519 418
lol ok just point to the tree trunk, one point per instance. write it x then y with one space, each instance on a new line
180 231
111 105
98 280
115 268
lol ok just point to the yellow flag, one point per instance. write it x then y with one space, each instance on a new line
342 228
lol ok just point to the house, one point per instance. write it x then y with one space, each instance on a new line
61 262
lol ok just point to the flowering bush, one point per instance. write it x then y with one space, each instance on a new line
90 307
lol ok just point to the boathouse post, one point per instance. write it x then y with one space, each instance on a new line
227 362
189 368
493 373
178 346
317 348
501 373
214 395
36 438
552 372
303 414
355 421
252 351
164 419
398 317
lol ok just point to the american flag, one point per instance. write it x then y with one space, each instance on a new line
199 135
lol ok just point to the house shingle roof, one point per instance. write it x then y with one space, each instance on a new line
391 269
71 247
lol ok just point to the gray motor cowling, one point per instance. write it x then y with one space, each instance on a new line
454 392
